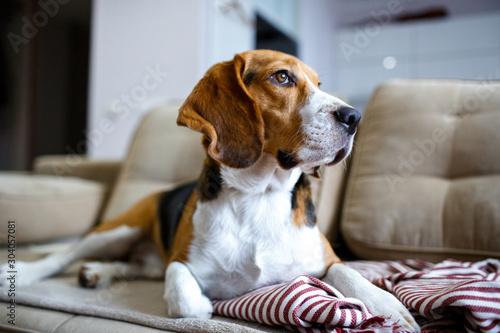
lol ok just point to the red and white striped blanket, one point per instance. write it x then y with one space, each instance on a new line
452 295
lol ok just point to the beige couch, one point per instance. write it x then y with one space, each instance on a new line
423 182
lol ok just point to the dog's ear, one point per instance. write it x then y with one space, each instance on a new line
221 108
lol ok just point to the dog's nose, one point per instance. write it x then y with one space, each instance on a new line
348 117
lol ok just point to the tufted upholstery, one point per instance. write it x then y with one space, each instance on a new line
162 155
425 177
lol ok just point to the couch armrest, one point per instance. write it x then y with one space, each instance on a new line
103 171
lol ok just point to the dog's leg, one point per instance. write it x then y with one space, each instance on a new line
183 294
144 262
101 274
380 303
106 244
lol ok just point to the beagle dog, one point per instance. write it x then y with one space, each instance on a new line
249 220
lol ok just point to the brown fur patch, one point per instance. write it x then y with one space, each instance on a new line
185 233
143 215
221 108
330 257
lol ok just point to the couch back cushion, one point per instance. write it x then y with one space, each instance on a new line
425 177
161 156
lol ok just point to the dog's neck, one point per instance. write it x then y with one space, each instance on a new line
262 177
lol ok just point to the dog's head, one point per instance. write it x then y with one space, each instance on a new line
268 101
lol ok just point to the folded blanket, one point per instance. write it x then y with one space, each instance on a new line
305 305
451 295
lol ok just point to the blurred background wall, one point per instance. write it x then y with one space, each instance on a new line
76 76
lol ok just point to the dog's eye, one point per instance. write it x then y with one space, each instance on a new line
282 78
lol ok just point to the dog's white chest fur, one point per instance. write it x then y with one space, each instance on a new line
245 238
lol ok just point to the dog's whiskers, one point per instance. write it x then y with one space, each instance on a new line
299 130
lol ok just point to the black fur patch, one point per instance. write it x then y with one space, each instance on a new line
249 77
303 184
210 182
310 213
295 205
170 210
286 160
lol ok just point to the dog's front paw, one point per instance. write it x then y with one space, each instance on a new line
181 307
183 294
382 303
